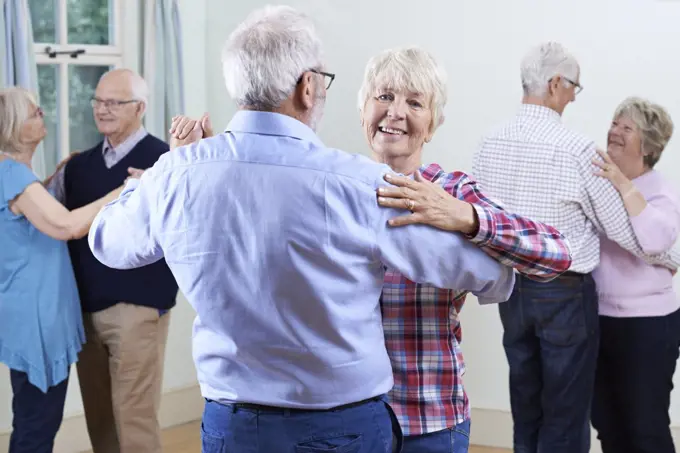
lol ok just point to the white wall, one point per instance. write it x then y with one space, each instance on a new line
179 367
626 47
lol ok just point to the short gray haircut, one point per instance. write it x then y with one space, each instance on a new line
653 122
139 87
408 68
266 55
16 106
544 62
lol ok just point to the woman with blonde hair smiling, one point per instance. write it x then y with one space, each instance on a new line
41 329
639 310
402 102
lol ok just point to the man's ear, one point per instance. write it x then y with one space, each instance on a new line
141 109
553 84
306 90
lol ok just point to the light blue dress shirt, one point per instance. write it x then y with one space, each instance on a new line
280 246
41 328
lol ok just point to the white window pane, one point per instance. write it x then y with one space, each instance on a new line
82 79
90 22
44 18
48 83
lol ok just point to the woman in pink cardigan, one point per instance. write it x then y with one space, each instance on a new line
639 311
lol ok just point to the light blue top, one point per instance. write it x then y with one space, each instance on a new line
280 246
41 329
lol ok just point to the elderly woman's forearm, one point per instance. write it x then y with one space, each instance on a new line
633 199
533 248
81 219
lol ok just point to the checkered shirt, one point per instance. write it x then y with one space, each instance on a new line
422 331
538 168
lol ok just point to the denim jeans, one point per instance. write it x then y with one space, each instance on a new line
364 428
453 440
551 338
633 383
37 415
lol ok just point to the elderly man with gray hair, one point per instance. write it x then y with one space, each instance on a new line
541 169
279 244
126 314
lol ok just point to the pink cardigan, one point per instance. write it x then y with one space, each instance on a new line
627 286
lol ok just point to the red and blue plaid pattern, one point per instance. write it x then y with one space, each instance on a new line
422 331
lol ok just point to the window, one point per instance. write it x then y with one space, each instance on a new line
76 41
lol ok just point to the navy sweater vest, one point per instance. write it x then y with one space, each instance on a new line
86 180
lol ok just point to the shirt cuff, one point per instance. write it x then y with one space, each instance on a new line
130 186
486 229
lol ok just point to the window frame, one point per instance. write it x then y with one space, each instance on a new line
95 55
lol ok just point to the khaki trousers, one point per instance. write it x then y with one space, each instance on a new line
120 370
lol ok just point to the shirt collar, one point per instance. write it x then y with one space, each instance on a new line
133 138
269 123
539 111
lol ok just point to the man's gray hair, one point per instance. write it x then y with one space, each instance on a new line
140 89
138 86
653 122
543 63
266 55
412 69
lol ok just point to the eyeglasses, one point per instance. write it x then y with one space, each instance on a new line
577 86
110 104
330 76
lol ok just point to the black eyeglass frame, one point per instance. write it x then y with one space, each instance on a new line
330 75
577 86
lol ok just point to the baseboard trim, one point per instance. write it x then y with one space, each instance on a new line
493 428
178 406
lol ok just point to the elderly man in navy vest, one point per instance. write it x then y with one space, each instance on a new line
125 312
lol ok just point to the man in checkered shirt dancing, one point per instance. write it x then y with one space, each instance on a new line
538 168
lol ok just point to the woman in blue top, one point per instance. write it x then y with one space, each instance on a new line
41 331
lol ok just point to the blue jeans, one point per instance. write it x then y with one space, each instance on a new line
37 415
452 440
551 338
363 428
633 383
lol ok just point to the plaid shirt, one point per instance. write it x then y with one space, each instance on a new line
422 331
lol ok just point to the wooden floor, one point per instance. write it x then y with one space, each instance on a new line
187 439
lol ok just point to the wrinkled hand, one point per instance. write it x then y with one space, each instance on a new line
429 204
135 173
611 171
185 130
60 165
64 161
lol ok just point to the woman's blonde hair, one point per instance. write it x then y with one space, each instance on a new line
408 68
16 106
654 123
